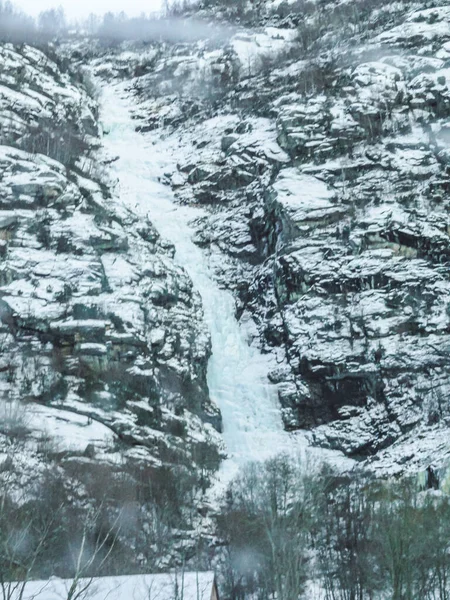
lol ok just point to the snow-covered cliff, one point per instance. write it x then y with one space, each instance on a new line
248 255
103 345
316 142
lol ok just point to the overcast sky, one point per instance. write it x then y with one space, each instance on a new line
81 8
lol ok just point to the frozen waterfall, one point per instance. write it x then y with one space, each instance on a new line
237 372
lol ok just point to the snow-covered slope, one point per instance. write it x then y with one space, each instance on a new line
266 233
323 181
104 349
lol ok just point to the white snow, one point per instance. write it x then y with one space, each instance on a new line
190 586
252 48
427 25
303 195
72 431
237 374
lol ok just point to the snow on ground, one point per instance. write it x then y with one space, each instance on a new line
253 48
299 192
237 374
190 586
34 88
74 432
425 25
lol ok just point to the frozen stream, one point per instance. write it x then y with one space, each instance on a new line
237 372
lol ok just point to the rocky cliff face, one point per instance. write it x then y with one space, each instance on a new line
103 347
318 139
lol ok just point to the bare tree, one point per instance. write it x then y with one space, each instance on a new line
15 26
52 21
266 523
90 557
33 533
23 540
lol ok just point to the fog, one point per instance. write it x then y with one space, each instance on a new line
164 29
79 9
18 27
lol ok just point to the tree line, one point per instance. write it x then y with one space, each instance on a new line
168 25
17 27
282 525
358 538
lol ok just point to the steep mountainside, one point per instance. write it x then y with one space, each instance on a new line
317 140
308 142
103 346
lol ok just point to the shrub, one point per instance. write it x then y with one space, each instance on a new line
13 419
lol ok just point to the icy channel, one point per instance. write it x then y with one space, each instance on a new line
237 372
